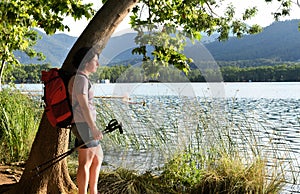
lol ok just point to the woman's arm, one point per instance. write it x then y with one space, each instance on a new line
83 103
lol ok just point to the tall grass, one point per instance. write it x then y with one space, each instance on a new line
19 119
198 147
226 175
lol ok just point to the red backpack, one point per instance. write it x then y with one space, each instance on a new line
56 97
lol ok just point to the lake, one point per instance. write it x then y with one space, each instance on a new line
270 90
271 110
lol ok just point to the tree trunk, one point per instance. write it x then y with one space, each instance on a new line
50 142
101 27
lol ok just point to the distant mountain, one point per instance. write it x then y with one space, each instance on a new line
55 48
118 50
279 41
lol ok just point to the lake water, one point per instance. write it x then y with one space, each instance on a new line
269 90
271 110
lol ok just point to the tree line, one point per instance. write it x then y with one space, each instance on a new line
127 73
278 73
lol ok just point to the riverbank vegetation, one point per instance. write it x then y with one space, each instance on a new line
181 175
19 120
209 155
230 73
212 155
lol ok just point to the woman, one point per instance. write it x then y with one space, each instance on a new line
90 154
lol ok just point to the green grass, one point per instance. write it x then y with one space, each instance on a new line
230 175
180 175
183 175
19 119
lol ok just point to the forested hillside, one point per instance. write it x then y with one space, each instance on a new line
278 43
54 47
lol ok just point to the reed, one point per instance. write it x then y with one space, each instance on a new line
199 146
169 145
183 174
19 119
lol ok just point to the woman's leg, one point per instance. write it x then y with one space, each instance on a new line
95 169
85 158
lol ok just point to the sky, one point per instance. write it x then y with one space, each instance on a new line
263 18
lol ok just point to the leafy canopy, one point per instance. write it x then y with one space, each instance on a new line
19 18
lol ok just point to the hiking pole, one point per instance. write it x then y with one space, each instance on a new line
112 126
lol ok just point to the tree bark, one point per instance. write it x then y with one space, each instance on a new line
100 28
51 142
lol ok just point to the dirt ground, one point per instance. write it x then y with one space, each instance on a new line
10 174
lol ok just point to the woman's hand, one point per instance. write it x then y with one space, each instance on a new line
97 134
